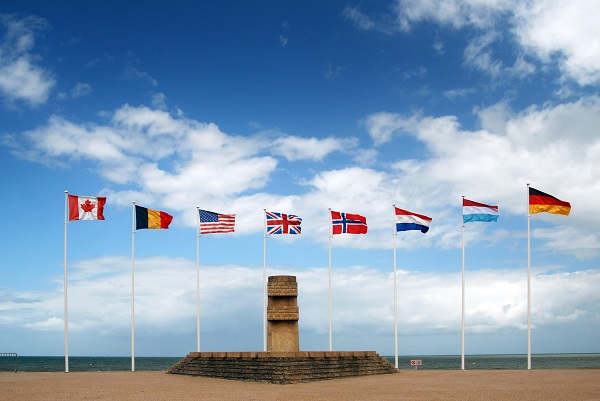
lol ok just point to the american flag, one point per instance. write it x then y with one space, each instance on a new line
211 222
281 223
348 223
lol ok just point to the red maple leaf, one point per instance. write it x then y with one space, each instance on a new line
88 206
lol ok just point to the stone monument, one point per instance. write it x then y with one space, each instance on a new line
282 314
283 363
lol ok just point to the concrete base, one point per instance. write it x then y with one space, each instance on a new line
282 367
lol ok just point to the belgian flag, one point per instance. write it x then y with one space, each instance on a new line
148 218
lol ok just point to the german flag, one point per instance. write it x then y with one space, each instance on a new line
542 202
148 218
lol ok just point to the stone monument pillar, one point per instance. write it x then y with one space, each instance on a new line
283 362
282 314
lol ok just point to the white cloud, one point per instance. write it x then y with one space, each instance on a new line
330 71
565 31
383 125
366 157
526 146
63 138
459 93
50 324
162 157
362 20
553 147
159 101
295 148
283 40
81 89
20 78
456 13
430 303
132 72
583 244
438 46
554 32
478 54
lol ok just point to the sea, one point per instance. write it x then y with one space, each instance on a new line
12 363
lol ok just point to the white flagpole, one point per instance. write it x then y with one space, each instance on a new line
395 295
132 287
198 279
528 283
66 310
265 282
462 359
330 307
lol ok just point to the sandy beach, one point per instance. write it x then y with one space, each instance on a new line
478 385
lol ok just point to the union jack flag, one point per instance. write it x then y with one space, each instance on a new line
348 223
281 223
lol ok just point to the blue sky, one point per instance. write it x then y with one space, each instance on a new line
297 108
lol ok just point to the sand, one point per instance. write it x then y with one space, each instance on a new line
467 385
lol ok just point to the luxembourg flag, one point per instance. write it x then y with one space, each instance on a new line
406 220
474 211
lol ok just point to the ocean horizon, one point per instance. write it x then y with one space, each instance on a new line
429 362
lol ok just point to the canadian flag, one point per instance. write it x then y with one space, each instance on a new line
86 207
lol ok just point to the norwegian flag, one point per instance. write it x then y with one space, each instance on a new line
348 223
281 223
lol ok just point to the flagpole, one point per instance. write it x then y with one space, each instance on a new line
66 309
198 278
330 306
395 294
265 282
528 283
462 359
132 286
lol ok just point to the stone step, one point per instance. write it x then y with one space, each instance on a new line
282 367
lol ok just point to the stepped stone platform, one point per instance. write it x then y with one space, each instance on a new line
282 367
